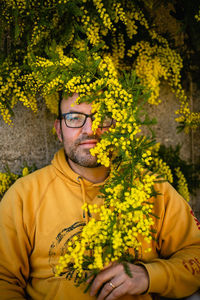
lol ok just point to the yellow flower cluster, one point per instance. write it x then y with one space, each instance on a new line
116 101
156 62
118 50
159 166
147 157
27 100
43 62
119 13
6 179
188 118
92 27
18 4
38 33
149 3
138 15
12 89
163 169
52 103
93 33
182 184
99 150
131 18
118 228
25 171
170 173
103 14
5 114
53 84
64 61
197 16
110 26
125 219
79 45
131 28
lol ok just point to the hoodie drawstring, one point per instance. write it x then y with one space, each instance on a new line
87 215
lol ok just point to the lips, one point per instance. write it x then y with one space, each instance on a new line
88 143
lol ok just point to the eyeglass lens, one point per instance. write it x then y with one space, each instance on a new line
76 120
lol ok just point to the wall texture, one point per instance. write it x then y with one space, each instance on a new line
30 139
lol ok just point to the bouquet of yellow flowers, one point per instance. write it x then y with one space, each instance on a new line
116 229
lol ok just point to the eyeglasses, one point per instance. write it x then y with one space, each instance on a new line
77 120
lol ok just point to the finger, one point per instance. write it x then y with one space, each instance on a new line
110 286
108 266
105 276
91 277
106 290
116 293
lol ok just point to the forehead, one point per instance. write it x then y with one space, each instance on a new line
66 105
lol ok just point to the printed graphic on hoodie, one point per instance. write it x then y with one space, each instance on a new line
58 246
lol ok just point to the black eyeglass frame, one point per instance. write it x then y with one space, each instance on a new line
86 116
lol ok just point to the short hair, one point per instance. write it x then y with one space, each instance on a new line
60 93
61 96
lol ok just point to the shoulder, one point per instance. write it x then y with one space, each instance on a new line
167 193
30 187
39 178
45 174
168 204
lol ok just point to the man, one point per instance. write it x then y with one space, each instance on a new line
42 211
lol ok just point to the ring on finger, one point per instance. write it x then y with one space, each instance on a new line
112 285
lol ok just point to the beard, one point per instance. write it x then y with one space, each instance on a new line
79 155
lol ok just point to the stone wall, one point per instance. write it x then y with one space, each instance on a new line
30 139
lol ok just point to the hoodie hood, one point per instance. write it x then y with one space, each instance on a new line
87 190
64 171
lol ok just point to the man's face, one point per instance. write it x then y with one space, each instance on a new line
78 141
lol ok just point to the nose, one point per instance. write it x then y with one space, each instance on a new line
87 127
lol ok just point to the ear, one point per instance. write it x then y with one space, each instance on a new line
57 126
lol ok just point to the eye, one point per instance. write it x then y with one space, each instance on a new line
73 117
74 120
106 122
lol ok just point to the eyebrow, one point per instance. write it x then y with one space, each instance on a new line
73 111
79 112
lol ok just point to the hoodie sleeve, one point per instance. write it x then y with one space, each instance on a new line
14 247
176 273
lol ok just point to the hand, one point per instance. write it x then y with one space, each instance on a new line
113 282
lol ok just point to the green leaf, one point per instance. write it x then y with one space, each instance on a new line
17 28
127 269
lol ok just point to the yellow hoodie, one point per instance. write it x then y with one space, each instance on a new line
41 211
